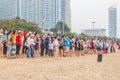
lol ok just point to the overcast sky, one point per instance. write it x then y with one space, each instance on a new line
85 11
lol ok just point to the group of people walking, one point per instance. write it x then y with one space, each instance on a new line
18 44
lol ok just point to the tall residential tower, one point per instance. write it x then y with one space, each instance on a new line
29 10
118 19
113 22
8 9
46 13
52 11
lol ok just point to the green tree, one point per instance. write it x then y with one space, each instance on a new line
19 24
59 27
70 34
82 35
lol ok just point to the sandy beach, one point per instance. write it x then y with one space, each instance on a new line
68 68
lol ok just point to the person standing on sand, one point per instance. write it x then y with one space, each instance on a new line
32 45
4 43
9 45
1 42
67 46
56 44
37 42
61 43
13 38
27 44
18 44
42 45
51 47
47 46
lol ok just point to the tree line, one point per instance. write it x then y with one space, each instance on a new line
19 24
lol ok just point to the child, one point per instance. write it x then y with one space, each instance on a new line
9 48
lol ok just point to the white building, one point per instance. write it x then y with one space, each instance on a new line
95 32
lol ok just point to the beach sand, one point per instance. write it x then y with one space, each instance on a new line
67 68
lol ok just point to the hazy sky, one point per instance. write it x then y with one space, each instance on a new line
86 11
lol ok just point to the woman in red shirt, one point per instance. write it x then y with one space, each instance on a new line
19 44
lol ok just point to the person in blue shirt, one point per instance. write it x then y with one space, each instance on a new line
104 47
61 44
67 46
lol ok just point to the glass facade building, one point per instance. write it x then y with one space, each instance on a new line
8 9
29 10
64 11
52 11
113 22
118 19
46 13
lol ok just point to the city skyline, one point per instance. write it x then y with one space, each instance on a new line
46 13
83 13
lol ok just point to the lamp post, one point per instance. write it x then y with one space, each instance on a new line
63 28
93 28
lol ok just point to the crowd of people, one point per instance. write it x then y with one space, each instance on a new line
19 44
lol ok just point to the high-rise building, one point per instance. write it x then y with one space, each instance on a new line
113 21
46 13
52 11
18 8
8 9
29 10
118 19
64 11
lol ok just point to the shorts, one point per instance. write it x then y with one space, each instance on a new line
1 45
99 49
76 49
36 47
81 48
104 49
9 49
67 49
60 47
73 48
18 47
95 48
